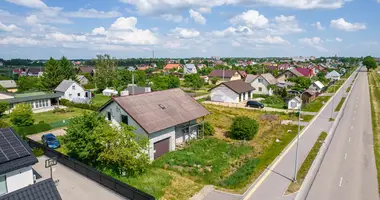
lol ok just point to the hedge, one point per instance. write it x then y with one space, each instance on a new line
33 129
86 106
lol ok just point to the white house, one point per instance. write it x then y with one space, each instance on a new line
294 103
109 92
82 79
72 91
333 75
167 118
17 180
261 82
317 86
232 92
189 69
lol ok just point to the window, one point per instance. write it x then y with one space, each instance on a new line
73 87
260 89
70 95
109 116
78 94
3 185
124 119
260 80
286 76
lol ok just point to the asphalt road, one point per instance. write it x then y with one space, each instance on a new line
348 170
273 183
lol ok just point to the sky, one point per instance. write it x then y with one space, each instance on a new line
39 29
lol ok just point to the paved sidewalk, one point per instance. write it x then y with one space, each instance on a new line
56 132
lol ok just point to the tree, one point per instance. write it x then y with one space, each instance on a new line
284 93
2 89
55 72
301 82
4 106
160 82
214 80
182 62
124 77
244 128
21 115
173 82
194 81
369 63
28 84
105 71
66 70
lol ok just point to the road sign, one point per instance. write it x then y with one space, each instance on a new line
50 162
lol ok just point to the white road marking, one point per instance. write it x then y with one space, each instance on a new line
352 127
354 111
353 119
340 182
356 105
345 156
349 139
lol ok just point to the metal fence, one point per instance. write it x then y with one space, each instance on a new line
119 187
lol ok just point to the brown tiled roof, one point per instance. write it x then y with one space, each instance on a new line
238 86
172 66
162 109
219 73
86 69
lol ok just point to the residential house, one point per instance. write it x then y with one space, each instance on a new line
261 83
205 78
134 90
37 100
232 92
309 95
333 75
201 66
319 68
89 70
10 85
288 74
82 79
19 71
306 72
16 173
317 86
72 91
189 69
284 66
172 67
225 75
143 67
168 118
294 103
35 71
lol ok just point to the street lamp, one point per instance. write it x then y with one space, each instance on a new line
298 134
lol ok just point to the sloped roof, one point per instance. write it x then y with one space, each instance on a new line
250 77
304 71
35 70
238 86
159 110
87 69
319 84
43 190
190 66
172 66
8 84
223 73
296 72
64 85
333 74
270 78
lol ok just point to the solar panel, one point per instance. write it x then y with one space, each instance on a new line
11 147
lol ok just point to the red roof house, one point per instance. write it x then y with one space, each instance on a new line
306 72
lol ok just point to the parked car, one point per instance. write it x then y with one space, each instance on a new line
254 104
50 141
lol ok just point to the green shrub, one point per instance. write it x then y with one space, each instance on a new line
273 100
209 129
86 106
4 124
21 115
4 106
89 86
36 128
241 173
38 152
244 128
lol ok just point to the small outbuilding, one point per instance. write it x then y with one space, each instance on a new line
294 103
109 92
232 92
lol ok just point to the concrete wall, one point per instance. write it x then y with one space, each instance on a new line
224 94
263 85
293 101
161 135
181 136
19 178
71 93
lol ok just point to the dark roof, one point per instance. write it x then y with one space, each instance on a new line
35 70
64 85
43 190
86 69
137 90
32 98
159 110
310 92
304 71
227 73
238 86
14 153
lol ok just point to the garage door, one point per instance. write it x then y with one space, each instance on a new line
161 147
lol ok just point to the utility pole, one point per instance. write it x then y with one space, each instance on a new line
298 138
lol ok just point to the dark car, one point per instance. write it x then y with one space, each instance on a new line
50 141
254 104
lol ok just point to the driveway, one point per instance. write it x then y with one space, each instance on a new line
73 186
56 132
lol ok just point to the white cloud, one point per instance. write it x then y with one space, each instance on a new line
38 4
284 25
343 25
231 31
339 39
19 41
314 42
235 43
207 10
185 33
61 37
197 17
173 18
99 31
318 26
9 28
124 23
251 18
92 13
44 18
273 40
149 7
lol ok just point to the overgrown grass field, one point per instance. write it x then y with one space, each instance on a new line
317 104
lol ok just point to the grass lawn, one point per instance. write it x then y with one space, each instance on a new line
374 86
306 118
49 117
100 99
348 89
340 104
316 105
302 172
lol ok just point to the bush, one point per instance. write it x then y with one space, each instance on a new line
36 128
4 106
4 124
273 100
209 129
89 86
244 128
68 103
21 115
38 152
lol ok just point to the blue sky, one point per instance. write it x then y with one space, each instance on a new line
40 29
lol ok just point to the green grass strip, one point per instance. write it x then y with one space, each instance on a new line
339 106
302 172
